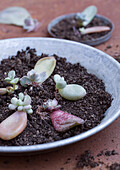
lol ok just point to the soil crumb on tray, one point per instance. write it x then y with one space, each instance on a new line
90 108
69 29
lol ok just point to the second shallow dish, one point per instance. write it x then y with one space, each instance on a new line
92 42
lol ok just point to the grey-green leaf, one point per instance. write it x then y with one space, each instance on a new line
89 14
11 74
72 92
14 15
14 81
24 81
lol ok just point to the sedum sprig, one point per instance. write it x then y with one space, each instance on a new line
32 78
23 103
11 80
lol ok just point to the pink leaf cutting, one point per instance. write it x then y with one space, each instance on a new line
13 125
63 121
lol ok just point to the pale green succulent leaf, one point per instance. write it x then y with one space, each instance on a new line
24 81
47 65
16 87
12 106
72 92
27 100
60 82
14 15
82 30
11 74
30 111
21 96
14 100
7 79
20 108
14 81
87 15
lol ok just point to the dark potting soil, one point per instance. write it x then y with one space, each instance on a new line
87 160
114 166
40 130
69 29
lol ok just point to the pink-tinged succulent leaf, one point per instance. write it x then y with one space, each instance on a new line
31 24
63 121
13 125
95 29
3 91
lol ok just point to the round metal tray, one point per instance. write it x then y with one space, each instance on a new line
95 61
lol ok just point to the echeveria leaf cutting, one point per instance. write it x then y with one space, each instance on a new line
13 125
14 15
23 103
19 16
33 78
31 24
49 105
95 29
70 91
87 15
62 121
47 65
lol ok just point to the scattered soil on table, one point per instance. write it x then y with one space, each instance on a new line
107 153
91 108
87 160
114 166
69 29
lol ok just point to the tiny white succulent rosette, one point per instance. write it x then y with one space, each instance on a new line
21 104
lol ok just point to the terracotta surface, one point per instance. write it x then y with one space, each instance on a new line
45 11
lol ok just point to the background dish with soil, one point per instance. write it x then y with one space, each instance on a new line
67 27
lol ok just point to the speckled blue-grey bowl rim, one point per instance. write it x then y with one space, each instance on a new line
50 146
93 42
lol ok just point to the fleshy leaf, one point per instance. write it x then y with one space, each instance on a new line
87 15
31 24
12 106
14 81
24 81
14 100
13 125
21 96
7 79
60 82
72 92
63 121
14 15
30 111
47 65
95 29
27 100
3 91
50 105
11 74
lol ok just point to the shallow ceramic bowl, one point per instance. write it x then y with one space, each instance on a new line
95 61
93 42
